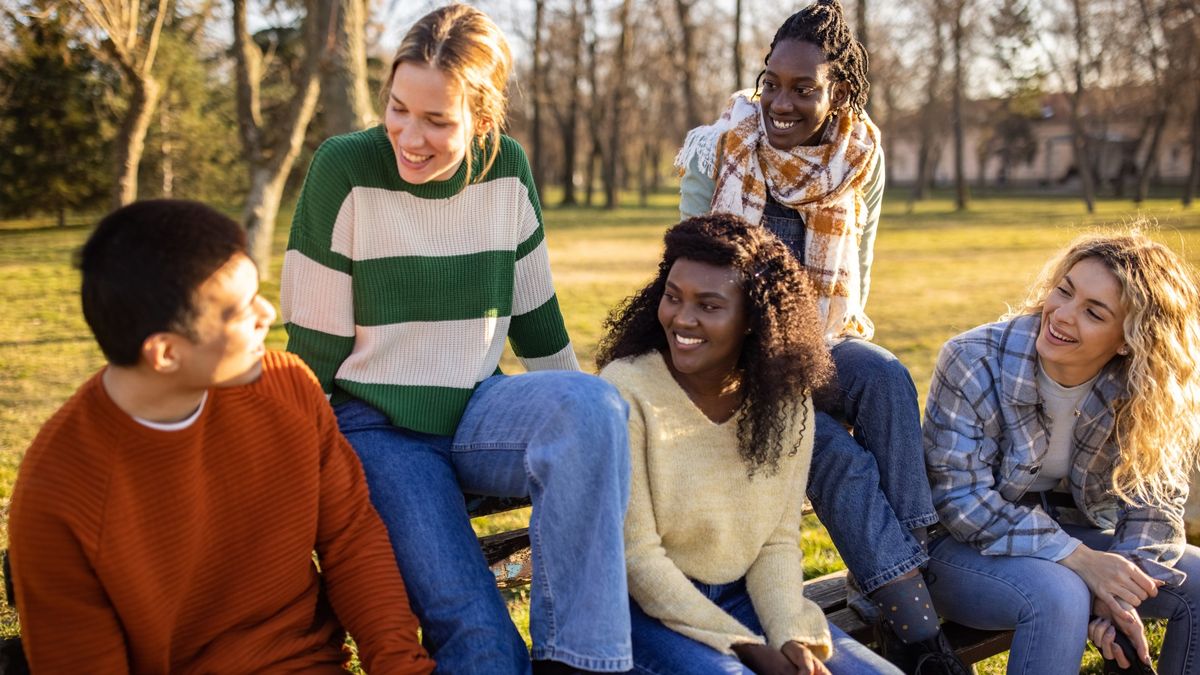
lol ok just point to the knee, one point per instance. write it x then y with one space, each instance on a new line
1062 603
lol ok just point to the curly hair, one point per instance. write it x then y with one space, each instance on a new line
822 24
468 47
1156 428
784 356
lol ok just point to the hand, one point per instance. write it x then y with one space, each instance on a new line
1105 628
1115 581
802 657
764 660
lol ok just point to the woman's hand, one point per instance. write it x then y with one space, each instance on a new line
802 657
1116 582
764 660
1102 631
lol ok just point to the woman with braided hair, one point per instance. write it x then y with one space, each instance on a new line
800 156
719 358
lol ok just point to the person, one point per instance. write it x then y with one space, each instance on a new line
417 247
1059 442
165 517
719 357
801 157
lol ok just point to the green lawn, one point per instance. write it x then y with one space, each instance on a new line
936 273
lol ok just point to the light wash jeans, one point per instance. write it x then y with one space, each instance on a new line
1048 605
658 650
559 437
870 489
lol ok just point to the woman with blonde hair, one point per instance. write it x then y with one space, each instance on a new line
1059 442
417 248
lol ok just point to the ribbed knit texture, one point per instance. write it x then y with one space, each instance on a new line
402 295
146 551
695 514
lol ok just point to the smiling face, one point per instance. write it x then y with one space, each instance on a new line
703 312
798 95
226 343
427 122
1082 323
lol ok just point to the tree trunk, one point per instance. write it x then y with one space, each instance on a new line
612 178
930 111
595 109
166 150
130 142
737 46
271 163
961 195
538 84
683 9
345 97
860 16
1150 161
1193 182
569 127
1079 138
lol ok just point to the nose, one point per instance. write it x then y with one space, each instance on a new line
266 312
782 102
410 136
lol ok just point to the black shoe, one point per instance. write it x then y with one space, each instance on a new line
934 656
1136 666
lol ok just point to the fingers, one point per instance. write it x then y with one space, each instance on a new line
1138 637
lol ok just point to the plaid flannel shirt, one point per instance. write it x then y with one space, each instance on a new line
986 435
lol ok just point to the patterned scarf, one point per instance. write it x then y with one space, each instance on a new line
825 183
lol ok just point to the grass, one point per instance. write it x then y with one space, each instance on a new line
936 273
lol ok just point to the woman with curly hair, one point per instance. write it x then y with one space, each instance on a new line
719 358
800 156
1059 443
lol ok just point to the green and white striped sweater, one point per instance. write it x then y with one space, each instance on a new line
402 295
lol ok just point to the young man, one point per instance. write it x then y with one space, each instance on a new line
164 519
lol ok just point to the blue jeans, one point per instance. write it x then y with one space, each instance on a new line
561 439
870 489
1048 605
658 650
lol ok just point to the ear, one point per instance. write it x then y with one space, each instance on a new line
840 95
483 126
162 352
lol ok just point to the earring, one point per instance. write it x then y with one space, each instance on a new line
1123 351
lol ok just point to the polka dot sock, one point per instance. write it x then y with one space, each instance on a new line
907 609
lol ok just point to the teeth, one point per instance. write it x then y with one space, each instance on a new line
1059 336
687 341
415 159
782 126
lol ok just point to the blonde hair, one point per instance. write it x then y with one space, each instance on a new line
1156 428
469 49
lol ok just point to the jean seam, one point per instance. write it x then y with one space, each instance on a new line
917 559
617 664
537 544
1190 613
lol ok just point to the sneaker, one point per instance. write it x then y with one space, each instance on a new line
934 656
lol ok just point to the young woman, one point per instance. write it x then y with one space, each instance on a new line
719 357
1059 443
801 157
417 248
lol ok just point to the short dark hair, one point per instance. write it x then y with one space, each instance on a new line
142 266
822 24
784 356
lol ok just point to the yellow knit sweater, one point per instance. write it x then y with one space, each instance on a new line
695 514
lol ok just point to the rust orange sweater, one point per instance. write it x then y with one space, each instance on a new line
146 551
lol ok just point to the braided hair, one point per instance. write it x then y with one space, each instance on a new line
784 356
822 24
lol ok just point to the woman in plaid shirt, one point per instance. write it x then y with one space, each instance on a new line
1059 442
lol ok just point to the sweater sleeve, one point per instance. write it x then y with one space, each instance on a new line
357 565
775 580
695 190
658 586
315 292
67 622
866 246
538 334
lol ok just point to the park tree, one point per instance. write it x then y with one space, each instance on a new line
272 131
958 39
618 91
127 32
932 111
345 103
55 118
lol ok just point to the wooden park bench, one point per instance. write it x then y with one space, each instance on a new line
508 555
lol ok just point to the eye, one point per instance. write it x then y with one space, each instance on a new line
710 308
670 297
1092 313
804 91
769 85
1063 291
438 124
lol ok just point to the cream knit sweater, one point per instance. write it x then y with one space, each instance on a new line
694 514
